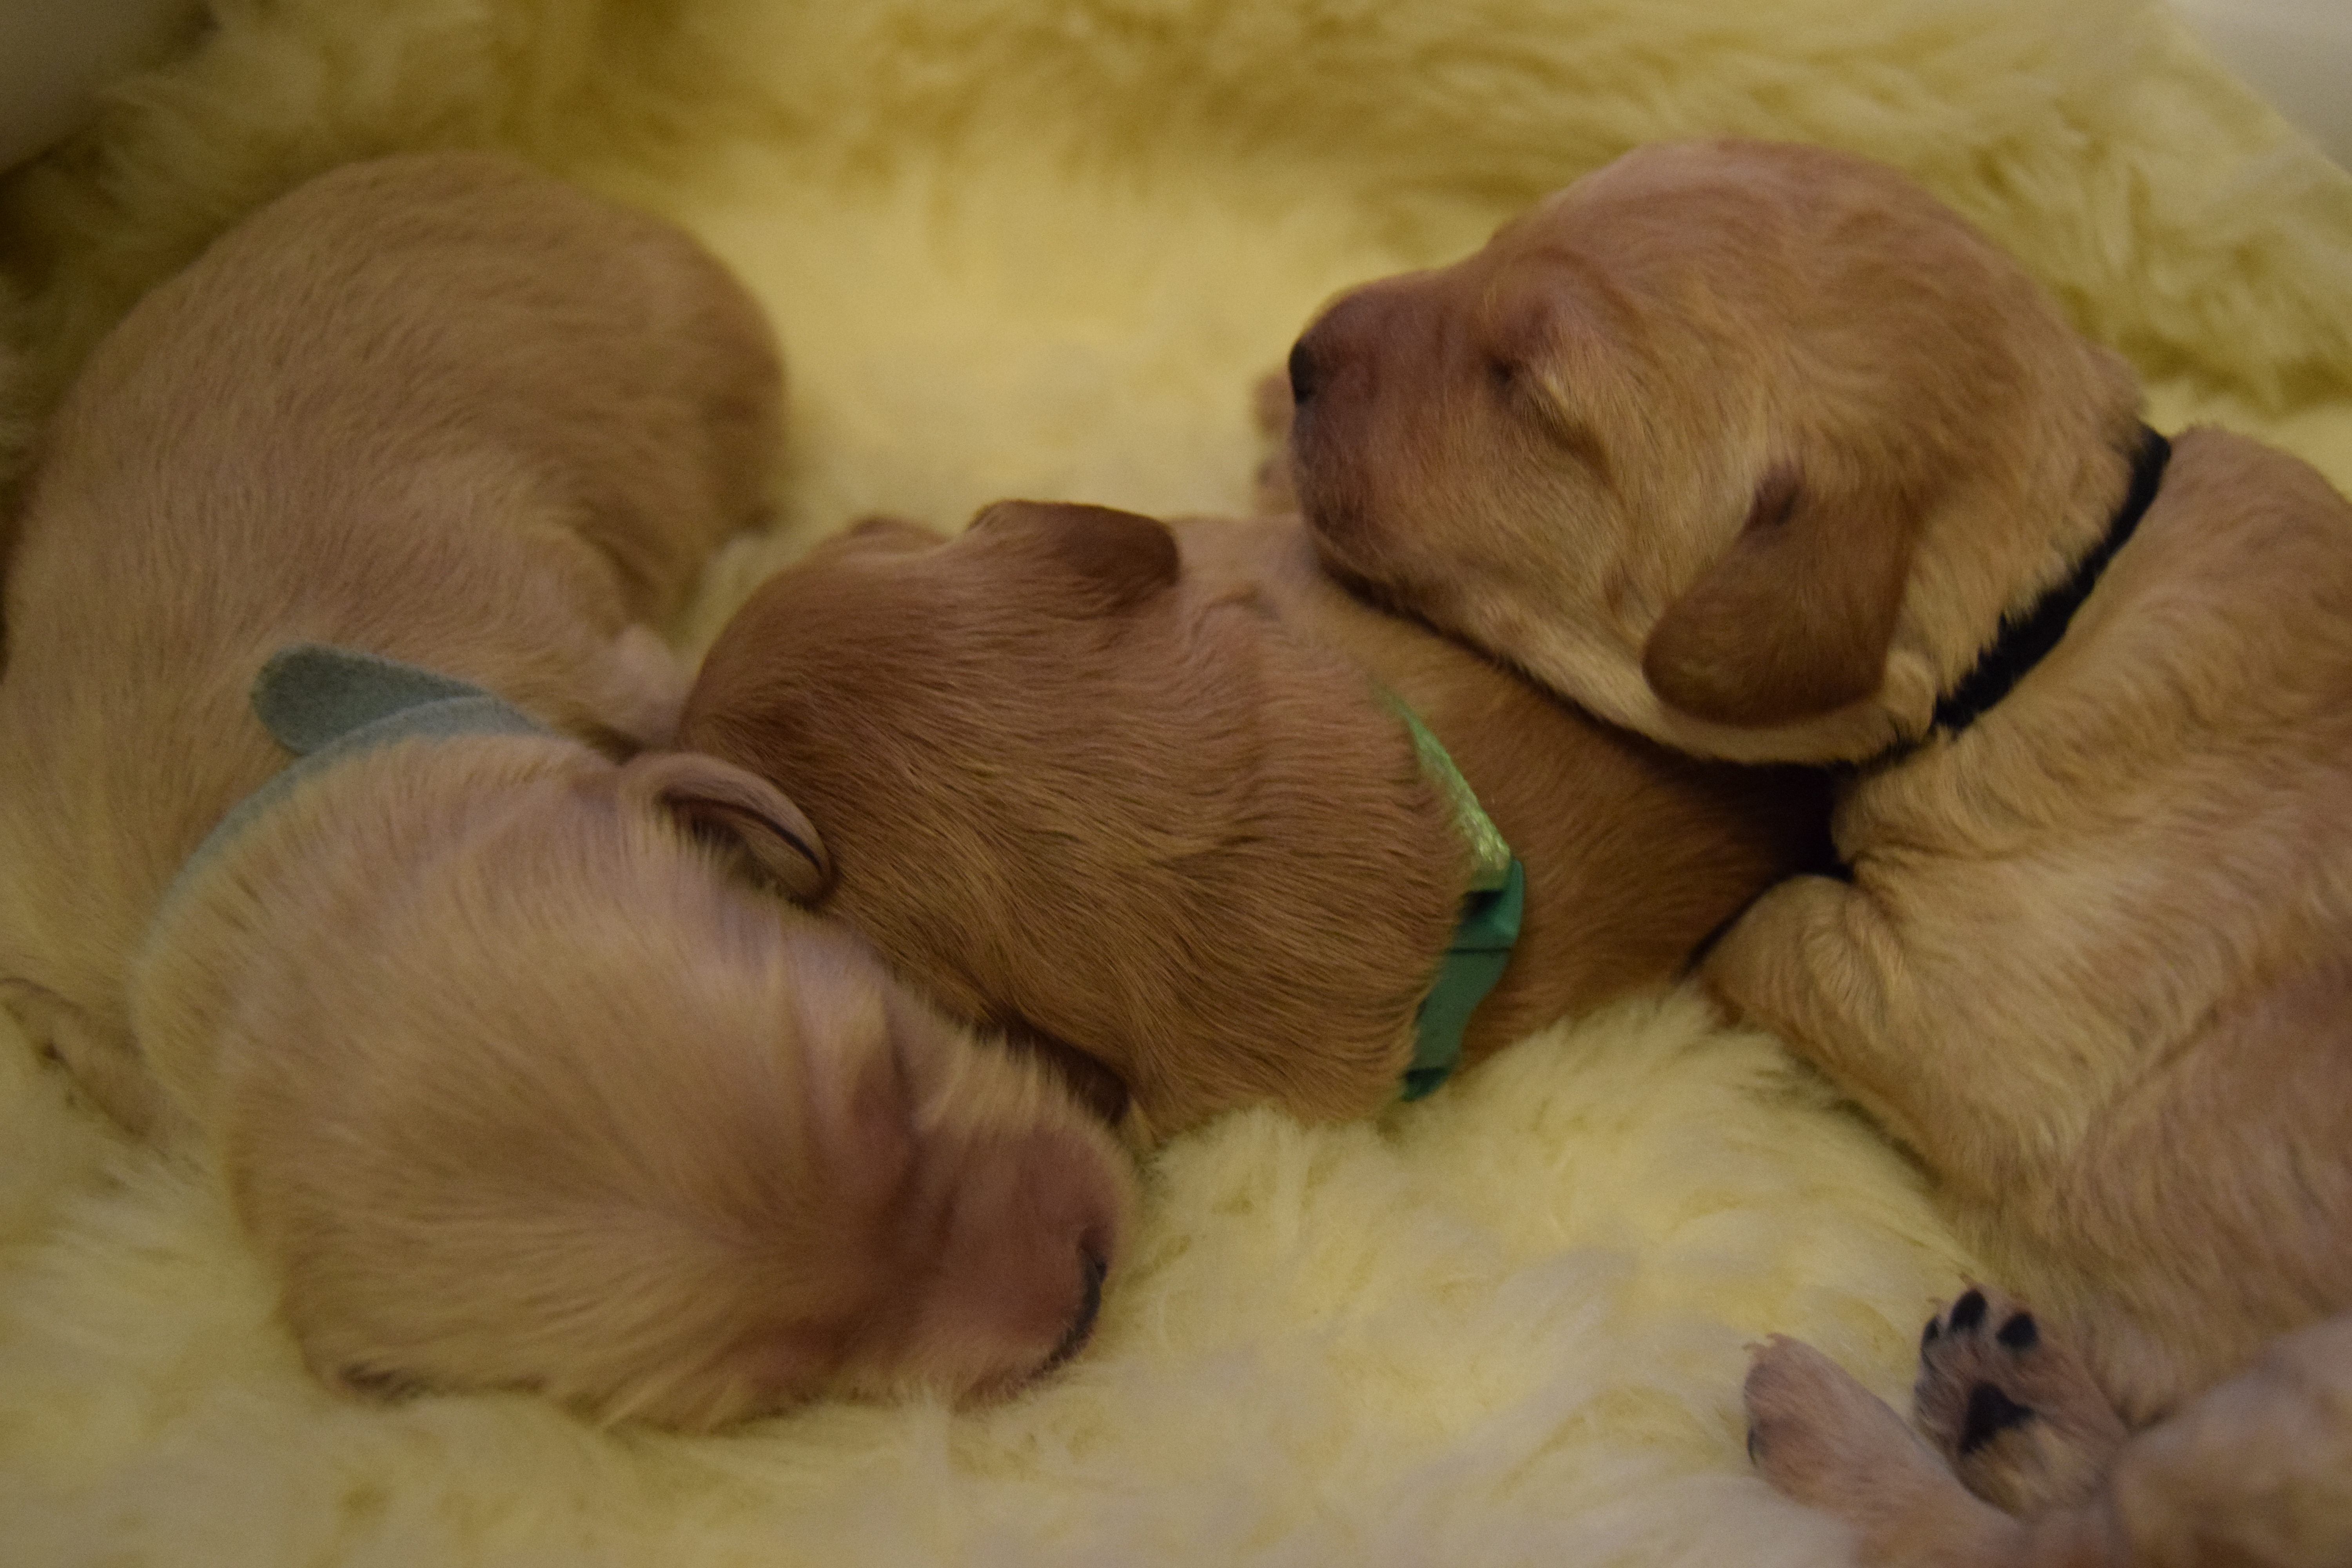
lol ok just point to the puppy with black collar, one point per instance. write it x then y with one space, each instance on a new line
1761 451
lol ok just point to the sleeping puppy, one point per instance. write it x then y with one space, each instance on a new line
512 1082
1763 452
1150 795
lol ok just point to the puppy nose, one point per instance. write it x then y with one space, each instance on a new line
1093 1270
1304 373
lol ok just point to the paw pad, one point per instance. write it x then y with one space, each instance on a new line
2013 1409
1989 1414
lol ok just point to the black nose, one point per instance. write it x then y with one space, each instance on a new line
1304 375
1082 1326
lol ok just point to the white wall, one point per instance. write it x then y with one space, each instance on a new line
2296 53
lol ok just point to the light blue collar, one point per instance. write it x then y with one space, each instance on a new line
1489 927
328 705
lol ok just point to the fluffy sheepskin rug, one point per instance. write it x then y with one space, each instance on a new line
1042 248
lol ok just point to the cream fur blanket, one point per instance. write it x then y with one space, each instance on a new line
1042 247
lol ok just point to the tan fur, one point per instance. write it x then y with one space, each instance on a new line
511 1084
1131 787
2253 1473
1550 447
2092 964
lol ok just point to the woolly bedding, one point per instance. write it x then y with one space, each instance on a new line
1042 248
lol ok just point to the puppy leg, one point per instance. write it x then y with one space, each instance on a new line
105 1065
1821 1438
1822 965
2256 1470
644 687
2013 1409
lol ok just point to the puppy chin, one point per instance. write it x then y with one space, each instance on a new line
1350 539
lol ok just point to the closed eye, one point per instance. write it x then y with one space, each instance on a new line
1532 400
1247 598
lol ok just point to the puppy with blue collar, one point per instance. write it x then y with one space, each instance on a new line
327 845
1162 800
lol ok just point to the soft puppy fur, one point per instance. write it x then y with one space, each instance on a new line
513 1079
1131 789
1755 448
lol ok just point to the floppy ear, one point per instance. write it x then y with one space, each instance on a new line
884 528
1124 555
1796 618
718 801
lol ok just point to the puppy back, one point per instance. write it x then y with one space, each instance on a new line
1205 857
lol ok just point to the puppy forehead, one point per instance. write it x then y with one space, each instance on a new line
1542 288
1720 203
1668 170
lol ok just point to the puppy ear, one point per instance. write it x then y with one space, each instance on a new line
882 528
1128 557
1796 618
718 801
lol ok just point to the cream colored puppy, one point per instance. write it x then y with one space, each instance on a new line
510 1081
1763 452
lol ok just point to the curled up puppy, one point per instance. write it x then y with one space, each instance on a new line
1765 453
514 1076
1162 799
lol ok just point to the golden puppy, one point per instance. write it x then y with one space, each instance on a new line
1761 451
1145 791
510 1083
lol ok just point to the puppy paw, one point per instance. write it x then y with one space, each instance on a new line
2013 1407
1821 1438
645 687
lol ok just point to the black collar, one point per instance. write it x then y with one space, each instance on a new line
2024 639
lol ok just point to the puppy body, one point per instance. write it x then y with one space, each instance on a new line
294 440
2090 962
509 1083
2096 961
1635 856
1133 787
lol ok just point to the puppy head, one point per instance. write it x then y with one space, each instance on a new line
515 1088
1746 447
1082 796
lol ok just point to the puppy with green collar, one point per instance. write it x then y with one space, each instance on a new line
1164 800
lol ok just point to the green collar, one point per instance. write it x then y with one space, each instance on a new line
1489 927
329 704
